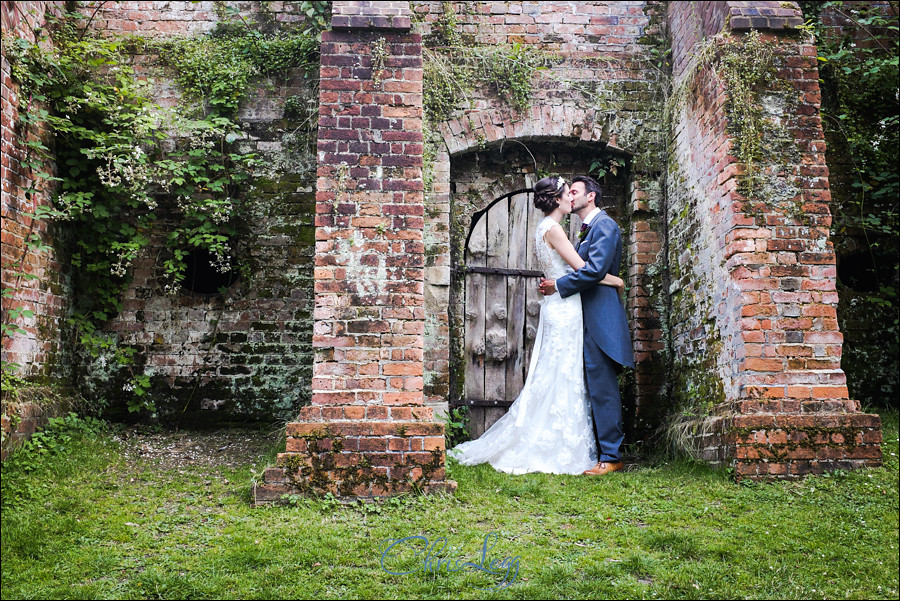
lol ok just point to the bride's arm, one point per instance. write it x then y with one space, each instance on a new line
558 240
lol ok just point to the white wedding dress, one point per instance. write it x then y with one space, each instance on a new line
549 427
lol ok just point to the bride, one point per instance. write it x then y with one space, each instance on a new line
549 427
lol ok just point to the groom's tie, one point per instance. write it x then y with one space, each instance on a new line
584 228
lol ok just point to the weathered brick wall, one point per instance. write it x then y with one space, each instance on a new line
367 432
34 277
246 354
558 27
370 253
753 310
702 322
152 18
601 92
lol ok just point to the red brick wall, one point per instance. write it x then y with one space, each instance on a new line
37 350
370 217
367 432
246 354
753 321
599 92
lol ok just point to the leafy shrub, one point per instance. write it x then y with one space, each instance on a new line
24 471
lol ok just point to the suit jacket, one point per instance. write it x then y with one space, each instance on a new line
604 315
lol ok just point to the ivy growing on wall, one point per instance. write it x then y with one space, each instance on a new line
112 168
454 66
858 69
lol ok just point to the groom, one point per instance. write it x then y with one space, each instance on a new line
607 343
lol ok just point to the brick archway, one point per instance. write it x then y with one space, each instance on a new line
475 130
544 131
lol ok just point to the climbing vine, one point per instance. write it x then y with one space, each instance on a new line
746 68
858 69
454 66
113 171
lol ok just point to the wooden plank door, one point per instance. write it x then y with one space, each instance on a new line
502 306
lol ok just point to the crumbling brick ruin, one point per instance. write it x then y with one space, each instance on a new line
389 246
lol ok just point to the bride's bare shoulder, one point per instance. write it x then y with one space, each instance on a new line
555 234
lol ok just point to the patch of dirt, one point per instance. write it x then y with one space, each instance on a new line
213 448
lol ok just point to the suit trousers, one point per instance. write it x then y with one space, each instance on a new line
601 380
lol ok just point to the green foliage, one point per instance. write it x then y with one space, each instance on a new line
112 170
451 73
606 163
318 16
10 380
860 105
99 120
453 68
56 439
861 118
746 68
455 426
217 70
8 329
326 503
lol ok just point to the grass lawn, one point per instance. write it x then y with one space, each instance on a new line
105 517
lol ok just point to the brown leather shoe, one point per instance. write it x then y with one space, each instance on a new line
604 467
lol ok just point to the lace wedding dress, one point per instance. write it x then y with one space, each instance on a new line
549 427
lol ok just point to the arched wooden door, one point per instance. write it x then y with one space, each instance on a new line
501 305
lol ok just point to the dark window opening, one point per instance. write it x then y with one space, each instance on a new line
857 272
204 276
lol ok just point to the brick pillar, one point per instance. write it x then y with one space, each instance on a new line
34 277
753 311
367 432
647 294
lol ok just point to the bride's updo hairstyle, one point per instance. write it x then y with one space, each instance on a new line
547 192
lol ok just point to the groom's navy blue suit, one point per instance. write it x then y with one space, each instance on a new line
607 342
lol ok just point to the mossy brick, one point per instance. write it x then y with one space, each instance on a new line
296 445
274 475
398 444
385 459
416 458
434 442
300 429
373 444
270 493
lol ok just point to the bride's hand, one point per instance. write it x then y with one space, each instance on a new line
614 281
547 287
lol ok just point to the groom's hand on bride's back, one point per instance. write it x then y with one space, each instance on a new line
547 287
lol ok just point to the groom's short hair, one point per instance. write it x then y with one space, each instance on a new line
590 185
